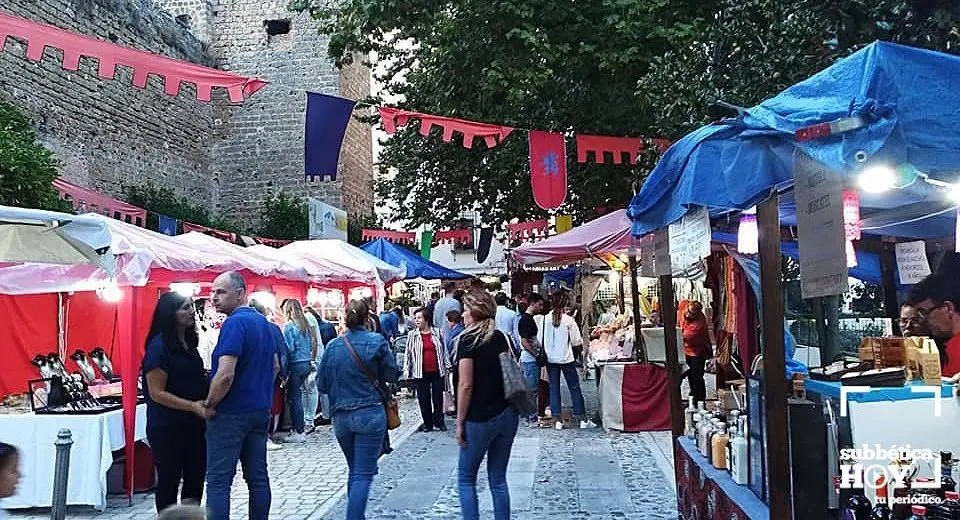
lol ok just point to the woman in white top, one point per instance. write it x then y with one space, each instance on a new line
559 333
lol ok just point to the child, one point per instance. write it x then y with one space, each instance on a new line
9 472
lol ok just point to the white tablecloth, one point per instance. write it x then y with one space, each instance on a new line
95 438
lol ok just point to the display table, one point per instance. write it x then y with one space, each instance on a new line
634 397
95 438
707 493
657 345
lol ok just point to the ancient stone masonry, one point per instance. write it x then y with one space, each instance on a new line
108 133
227 158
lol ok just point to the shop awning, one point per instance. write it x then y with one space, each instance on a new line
416 266
609 234
903 93
251 259
33 235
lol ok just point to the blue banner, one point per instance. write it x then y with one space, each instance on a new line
168 225
326 123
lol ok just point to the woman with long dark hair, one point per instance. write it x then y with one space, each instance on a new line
175 385
486 423
354 371
301 342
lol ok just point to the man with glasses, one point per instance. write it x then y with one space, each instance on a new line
935 303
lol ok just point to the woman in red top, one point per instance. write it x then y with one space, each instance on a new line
697 348
425 363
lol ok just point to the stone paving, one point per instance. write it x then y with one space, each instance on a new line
569 474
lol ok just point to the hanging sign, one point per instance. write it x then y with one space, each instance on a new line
820 228
661 252
696 230
679 250
912 262
327 221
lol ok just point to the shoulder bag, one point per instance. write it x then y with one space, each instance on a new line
515 389
389 404
541 356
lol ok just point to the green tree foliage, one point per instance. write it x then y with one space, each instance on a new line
542 64
162 200
26 167
285 217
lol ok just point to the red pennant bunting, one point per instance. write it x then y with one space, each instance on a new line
399 237
86 201
523 230
548 168
491 134
598 144
216 233
455 236
144 64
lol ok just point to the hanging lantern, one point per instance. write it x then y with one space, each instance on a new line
851 255
747 234
851 223
851 214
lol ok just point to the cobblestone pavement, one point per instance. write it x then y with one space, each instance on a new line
305 478
569 474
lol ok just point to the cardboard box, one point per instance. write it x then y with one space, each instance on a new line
918 355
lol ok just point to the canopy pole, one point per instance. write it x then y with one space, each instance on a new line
668 312
638 344
774 362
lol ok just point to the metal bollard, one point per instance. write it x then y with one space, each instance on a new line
58 509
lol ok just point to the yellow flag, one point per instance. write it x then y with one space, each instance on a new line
564 223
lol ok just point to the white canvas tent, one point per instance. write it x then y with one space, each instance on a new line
33 235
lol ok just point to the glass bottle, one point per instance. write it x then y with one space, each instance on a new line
947 483
919 513
689 415
738 457
882 510
719 447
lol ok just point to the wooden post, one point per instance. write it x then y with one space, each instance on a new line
668 313
638 344
888 281
774 363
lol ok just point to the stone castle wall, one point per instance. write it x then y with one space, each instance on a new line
108 133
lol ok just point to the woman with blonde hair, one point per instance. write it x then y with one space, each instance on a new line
558 335
301 342
486 423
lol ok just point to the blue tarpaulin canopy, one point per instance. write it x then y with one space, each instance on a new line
417 266
906 96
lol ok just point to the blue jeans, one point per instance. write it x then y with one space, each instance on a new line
311 399
233 437
531 374
360 434
298 373
573 383
493 438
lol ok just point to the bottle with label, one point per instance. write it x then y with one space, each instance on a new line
857 507
947 483
719 447
711 431
703 435
738 456
882 510
919 513
689 415
732 430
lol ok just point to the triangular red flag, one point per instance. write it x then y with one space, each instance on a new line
548 168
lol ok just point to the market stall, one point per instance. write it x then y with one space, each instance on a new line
62 311
854 149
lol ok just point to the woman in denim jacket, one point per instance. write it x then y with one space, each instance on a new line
301 342
359 420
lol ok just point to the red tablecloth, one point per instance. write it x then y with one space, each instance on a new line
635 397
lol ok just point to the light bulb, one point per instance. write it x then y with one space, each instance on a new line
954 193
110 293
185 289
877 179
748 236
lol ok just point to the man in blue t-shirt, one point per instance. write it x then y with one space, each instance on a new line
244 366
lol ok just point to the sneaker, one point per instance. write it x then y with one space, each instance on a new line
559 425
272 446
309 429
295 438
588 424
